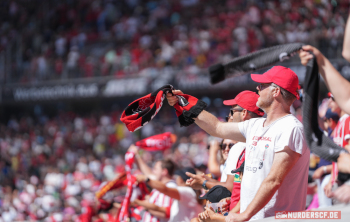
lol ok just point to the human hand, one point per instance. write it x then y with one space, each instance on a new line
328 189
172 98
134 149
234 217
141 178
305 54
195 181
343 163
214 145
226 206
206 215
134 203
342 193
318 173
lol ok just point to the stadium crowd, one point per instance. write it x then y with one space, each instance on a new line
71 39
52 167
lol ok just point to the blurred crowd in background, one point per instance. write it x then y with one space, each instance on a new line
51 40
52 167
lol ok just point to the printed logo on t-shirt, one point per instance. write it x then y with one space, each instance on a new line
252 169
236 179
257 154
262 138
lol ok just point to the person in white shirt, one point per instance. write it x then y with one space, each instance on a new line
277 158
218 170
162 171
243 108
186 203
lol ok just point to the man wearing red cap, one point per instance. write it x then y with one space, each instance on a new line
277 158
243 108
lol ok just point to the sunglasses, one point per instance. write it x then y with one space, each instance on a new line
223 146
263 86
232 111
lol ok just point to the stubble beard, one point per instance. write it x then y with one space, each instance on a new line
264 103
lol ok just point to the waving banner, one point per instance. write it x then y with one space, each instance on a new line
118 182
124 211
157 142
253 61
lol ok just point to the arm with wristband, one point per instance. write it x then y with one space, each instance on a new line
209 122
201 181
171 192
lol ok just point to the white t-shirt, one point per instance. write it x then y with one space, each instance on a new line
262 144
232 158
160 200
223 177
186 208
231 161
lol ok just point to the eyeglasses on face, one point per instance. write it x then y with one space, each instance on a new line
238 110
263 86
232 111
224 145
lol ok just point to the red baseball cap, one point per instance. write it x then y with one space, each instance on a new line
281 76
247 100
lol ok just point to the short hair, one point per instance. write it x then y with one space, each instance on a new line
254 115
169 165
287 96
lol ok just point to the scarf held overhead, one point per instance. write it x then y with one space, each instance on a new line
141 111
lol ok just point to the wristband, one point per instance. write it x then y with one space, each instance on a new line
324 169
204 185
147 180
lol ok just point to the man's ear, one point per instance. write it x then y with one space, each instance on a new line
245 115
275 91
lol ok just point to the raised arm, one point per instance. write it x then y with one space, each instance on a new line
171 192
145 169
228 130
213 165
346 43
196 181
336 83
149 206
210 123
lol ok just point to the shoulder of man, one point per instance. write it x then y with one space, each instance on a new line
292 122
186 192
171 184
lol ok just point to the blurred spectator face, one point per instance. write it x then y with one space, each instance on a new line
158 171
225 147
329 123
235 114
334 106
